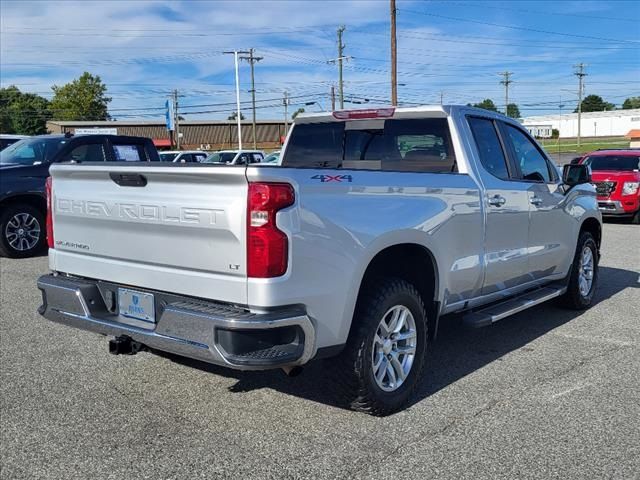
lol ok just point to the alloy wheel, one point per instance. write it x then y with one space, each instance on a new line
22 232
394 348
585 274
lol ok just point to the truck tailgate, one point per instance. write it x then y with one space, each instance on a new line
174 228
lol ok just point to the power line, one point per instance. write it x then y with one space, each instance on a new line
513 27
536 12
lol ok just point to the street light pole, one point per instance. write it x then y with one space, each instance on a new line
235 58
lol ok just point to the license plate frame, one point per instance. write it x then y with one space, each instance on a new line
137 305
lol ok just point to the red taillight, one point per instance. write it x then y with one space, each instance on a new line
267 247
48 190
363 114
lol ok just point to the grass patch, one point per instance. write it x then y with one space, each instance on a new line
570 145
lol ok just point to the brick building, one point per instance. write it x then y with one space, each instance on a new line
196 134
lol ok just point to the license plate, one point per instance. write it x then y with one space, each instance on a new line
138 305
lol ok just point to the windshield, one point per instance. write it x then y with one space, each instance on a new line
168 157
220 157
623 163
32 151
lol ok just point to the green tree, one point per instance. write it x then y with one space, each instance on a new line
297 112
487 104
595 103
23 113
234 115
631 102
513 111
82 99
7 98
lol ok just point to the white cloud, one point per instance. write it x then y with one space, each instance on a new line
143 49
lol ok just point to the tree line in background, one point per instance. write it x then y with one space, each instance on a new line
85 99
27 113
590 103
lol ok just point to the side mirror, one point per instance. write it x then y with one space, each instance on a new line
576 174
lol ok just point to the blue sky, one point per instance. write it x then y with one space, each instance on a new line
454 49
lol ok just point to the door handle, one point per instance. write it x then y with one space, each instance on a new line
535 201
129 179
497 200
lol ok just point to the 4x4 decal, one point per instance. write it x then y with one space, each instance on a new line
333 178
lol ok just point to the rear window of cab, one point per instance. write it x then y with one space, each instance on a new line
403 145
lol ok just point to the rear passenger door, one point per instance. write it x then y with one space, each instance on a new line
551 239
507 210
85 150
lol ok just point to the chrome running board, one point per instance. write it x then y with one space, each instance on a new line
498 311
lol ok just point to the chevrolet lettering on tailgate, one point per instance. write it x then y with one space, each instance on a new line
132 211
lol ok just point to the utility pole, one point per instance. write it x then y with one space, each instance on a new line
341 47
176 118
441 98
340 61
252 60
506 82
559 123
333 98
285 102
580 74
394 56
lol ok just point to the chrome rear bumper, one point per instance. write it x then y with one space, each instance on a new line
212 332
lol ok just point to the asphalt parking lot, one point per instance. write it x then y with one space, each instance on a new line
549 393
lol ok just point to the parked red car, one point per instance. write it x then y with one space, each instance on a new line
616 176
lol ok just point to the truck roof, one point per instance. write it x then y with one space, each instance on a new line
438 111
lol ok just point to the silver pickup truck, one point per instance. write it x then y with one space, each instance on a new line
376 224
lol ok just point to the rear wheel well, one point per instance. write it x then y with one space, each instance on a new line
35 201
410 262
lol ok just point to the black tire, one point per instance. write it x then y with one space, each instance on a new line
7 214
636 218
353 368
574 298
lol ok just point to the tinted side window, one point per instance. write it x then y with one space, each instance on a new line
491 153
91 152
199 157
532 164
411 145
